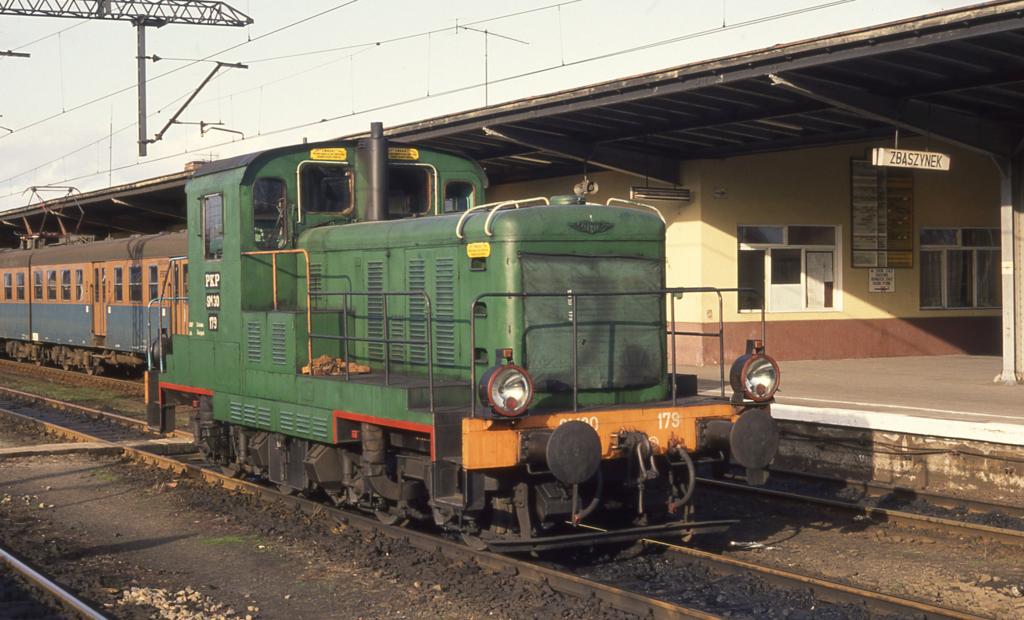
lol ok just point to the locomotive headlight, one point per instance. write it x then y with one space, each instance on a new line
755 374
507 389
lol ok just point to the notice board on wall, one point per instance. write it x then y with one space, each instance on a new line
882 213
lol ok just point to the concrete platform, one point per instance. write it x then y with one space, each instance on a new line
943 396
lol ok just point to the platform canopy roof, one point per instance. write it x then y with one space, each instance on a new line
143 207
956 75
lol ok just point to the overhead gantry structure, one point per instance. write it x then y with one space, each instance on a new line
143 14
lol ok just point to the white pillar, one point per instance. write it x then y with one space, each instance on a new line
1012 272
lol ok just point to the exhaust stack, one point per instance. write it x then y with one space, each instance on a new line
376 158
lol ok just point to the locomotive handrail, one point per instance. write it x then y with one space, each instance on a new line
387 341
149 328
309 305
574 296
632 203
493 206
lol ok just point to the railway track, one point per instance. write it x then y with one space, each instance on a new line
71 377
624 600
27 593
897 517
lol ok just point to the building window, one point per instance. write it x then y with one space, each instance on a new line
8 289
458 196
959 268
213 226
118 284
154 282
51 285
792 268
79 285
135 284
20 286
269 211
65 285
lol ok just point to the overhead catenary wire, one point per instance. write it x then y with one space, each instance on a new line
469 87
181 68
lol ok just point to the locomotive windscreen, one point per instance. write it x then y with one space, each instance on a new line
620 338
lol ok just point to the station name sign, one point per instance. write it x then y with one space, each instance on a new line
902 158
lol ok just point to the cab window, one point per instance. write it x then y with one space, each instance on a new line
269 213
458 196
325 188
408 191
213 226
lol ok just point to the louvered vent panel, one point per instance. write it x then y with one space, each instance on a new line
235 412
286 420
375 308
254 341
279 344
263 416
316 284
249 415
444 321
418 311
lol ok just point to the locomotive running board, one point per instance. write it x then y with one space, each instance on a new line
598 537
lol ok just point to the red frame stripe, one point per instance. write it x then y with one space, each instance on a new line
174 387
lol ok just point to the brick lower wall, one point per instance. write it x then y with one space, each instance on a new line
846 338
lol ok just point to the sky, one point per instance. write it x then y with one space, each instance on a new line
319 69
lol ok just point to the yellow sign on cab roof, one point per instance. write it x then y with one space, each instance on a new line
329 154
403 153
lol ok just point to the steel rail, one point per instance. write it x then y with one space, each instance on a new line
41 581
896 517
60 405
572 585
873 488
823 589
78 378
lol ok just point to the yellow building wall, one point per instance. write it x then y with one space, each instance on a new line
807 186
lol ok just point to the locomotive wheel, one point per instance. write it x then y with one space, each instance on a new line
473 542
389 518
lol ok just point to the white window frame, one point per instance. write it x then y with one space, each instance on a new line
944 266
837 266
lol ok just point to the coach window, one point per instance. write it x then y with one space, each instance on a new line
37 285
20 287
118 284
51 285
458 196
65 285
154 282
213 226
7 287
409 190
79 285
325 188
793 268
135 284
269 213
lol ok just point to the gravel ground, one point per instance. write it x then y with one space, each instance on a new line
139 543
980 576
14 433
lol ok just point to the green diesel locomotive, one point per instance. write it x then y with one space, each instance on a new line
361 325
